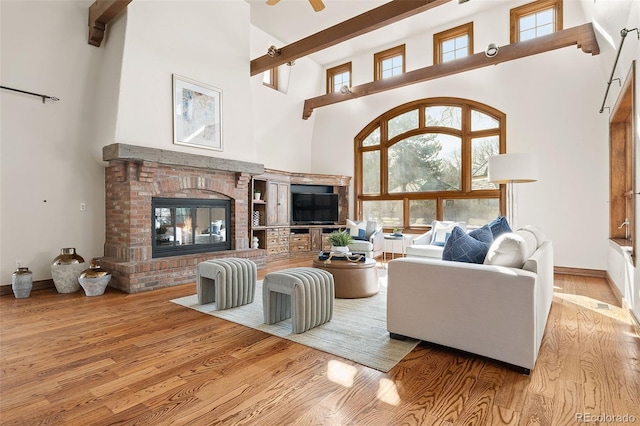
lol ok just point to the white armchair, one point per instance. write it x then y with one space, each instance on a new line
422 246
372 244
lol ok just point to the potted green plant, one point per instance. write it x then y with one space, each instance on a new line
397 232
256 194
339 241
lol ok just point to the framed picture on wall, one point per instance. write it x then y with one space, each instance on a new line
197 114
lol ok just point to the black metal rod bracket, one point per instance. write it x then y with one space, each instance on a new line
623 35
44 97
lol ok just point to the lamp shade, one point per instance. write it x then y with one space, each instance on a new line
515 168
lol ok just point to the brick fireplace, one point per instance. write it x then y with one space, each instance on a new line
134 176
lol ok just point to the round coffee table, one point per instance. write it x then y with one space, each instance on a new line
352 279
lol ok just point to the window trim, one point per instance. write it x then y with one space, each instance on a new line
273 78
332 72
386 54
622 167
441 37
534 7
467 136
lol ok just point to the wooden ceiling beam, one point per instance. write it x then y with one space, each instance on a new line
101 12
583 36
374 19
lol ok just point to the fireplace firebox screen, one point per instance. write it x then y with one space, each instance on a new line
189 225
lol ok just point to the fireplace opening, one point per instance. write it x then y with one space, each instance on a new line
190 225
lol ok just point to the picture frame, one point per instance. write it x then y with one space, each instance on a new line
197 114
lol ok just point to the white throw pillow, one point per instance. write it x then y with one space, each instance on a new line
537 232
530 242
441 230
357 229
508 249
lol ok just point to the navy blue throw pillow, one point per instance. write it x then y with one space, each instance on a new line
499 226
469 248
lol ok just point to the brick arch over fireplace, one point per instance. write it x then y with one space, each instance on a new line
190 185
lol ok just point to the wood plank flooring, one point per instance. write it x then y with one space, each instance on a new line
68 359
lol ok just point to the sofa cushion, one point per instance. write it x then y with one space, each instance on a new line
499 226
370 228
357 230
509 249
442 231
469 247
424 250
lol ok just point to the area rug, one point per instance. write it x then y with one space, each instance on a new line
357 331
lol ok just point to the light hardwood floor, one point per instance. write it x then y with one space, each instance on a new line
68 359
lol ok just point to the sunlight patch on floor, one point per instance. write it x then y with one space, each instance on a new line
388 392
595 305
341 373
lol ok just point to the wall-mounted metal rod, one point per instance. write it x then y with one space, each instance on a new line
44 97
623 34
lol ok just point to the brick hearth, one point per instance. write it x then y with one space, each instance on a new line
135 175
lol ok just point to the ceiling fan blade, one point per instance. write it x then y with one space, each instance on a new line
317 5
272 2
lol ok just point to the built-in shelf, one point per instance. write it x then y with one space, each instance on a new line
273 228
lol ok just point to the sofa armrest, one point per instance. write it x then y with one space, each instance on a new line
423 239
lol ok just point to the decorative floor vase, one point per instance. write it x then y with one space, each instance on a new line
22 283
95 279
66 269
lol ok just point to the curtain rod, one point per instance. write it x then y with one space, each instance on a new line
44 97
623 34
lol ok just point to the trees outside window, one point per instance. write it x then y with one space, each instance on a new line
427 160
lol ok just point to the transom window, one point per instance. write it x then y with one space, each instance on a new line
535 19
389 63
337 77
427 160
453 44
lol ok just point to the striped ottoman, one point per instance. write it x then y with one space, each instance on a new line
303 294
229 282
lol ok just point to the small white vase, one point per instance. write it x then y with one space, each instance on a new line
342 249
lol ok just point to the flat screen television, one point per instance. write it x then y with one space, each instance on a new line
308 208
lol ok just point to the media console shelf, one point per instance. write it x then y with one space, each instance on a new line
271 214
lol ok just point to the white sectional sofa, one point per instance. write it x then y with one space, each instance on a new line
492 310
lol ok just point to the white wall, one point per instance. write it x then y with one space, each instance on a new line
280 134
48 156
551 101
204 41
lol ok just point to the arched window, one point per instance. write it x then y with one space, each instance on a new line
427 160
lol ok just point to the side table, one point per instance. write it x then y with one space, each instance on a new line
392 238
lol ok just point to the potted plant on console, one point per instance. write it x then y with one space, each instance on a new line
339 241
